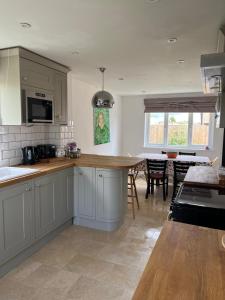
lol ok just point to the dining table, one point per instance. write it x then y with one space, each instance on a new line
198 160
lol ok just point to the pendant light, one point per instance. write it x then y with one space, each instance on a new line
102 99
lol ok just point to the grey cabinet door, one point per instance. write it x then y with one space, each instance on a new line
109 195
60 97
36 75
16 219
45 204
64 196
84 193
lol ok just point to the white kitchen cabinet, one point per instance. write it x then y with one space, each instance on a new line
60 97
16 219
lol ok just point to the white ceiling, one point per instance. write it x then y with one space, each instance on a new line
129 37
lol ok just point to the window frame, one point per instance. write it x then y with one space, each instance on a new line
190 130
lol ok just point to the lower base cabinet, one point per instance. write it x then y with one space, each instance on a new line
100 197
16 219
31 210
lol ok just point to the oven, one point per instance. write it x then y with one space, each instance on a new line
38 107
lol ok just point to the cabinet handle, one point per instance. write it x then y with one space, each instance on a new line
25 78
28 189
100 175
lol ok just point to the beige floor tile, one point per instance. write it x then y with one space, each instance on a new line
62 280
24 270
91 289
85 265
49 294
14 290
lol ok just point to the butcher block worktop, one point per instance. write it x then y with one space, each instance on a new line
86 160
188 263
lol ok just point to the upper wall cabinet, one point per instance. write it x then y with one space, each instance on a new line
60 97
21 69
36 75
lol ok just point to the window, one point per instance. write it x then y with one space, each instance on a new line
190 130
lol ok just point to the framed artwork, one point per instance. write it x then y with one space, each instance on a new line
101 126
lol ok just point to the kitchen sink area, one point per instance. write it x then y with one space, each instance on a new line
7 173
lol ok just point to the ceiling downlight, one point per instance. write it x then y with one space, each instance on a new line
25 25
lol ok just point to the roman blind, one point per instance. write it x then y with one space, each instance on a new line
181 104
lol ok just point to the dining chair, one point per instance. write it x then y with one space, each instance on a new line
156 171
188 153
180 169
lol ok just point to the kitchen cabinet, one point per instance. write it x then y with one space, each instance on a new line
45 204
84 193
100 197
36 75
109 193
60 97
16 219
64 197
21 69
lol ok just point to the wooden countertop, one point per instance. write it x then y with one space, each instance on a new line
188 263
202 176
86 160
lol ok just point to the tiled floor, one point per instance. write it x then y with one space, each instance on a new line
85 264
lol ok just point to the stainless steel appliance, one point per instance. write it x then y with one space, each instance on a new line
37 107
30 155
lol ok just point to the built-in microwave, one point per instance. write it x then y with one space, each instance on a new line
37 107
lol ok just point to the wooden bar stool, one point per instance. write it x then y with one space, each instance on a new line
133 192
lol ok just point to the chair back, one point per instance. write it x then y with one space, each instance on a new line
181 168
156 166
188 153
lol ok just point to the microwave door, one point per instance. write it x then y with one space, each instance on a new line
39 111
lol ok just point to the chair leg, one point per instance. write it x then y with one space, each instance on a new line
135 192
167 186
152 186
132 197
164 189
148 188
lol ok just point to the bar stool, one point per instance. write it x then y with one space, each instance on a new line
133 192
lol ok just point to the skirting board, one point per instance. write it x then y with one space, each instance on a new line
99 225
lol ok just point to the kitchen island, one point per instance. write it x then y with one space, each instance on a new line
187 262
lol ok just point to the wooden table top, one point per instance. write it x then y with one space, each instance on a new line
86 160
187 263
202 176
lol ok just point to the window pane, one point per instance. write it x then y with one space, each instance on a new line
200 129
178 129
156 128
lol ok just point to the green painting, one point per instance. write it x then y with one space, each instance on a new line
101 126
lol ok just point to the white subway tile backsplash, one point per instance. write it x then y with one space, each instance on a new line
6 154
13 138
14 129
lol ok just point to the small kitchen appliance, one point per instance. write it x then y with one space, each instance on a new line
30 155
46 151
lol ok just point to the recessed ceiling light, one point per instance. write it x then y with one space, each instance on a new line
152 1
25 25
180 61
172 40
121 78
75 52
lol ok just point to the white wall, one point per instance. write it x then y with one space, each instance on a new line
133 130
81 113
